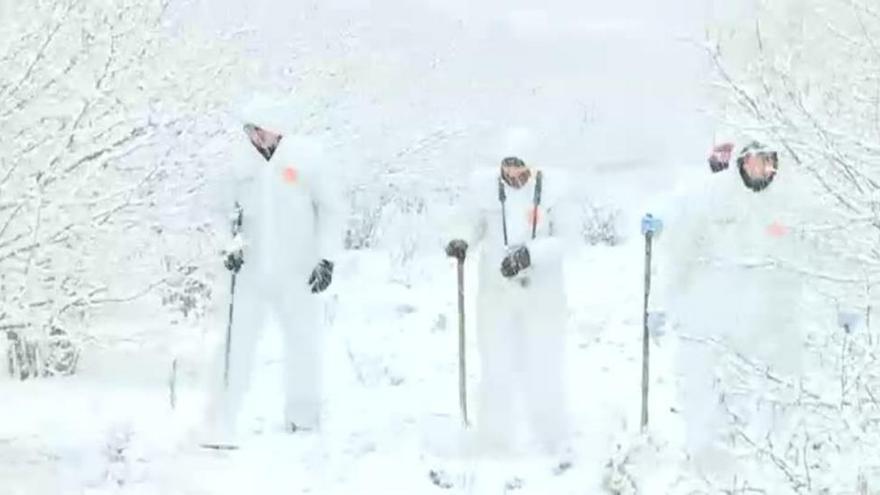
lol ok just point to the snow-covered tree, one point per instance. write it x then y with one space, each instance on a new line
105 116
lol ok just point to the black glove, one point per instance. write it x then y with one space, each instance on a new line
233 261
717 165
720 158
517 259
457 249
321 276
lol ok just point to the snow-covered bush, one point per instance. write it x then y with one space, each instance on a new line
402 202
599 224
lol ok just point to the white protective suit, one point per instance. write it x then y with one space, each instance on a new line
726 271
520 328
291 220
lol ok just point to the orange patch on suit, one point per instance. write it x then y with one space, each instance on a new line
534 215
776 229
290 175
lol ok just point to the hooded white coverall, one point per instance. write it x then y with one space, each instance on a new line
726 271
291 220
521 322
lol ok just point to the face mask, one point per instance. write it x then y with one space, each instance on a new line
265 142
755 184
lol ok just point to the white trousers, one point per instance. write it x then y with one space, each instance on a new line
521 345
756 314
296 310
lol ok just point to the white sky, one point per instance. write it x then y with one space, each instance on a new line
597 81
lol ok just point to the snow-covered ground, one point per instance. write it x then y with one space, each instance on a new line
391 413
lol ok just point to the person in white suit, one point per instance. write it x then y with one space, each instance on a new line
727 274
290 233
518 216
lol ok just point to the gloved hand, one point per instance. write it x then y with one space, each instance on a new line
720 158
233 261
457 249
321 276
517 259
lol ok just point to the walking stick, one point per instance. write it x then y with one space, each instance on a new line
462 366
650 226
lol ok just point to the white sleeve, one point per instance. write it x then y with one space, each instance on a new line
469 220
330 211
229 188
